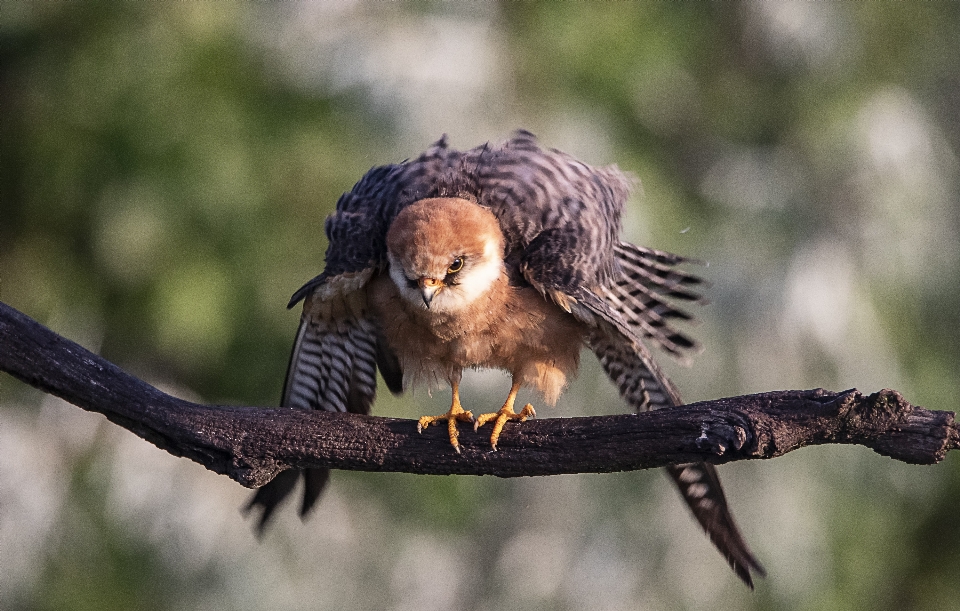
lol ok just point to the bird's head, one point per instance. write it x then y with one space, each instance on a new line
444 253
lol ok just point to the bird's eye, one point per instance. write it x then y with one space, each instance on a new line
455 266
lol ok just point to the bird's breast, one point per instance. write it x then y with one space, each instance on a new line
509 328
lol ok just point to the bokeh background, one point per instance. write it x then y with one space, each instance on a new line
166 169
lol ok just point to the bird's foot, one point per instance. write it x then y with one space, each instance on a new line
501 417
456 414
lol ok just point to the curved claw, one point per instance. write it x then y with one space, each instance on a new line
456 414
501 417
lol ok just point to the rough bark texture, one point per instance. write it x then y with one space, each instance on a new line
252 445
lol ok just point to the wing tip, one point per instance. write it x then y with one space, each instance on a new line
268 498
699 486
746 566
306 289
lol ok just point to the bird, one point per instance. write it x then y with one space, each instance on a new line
505 256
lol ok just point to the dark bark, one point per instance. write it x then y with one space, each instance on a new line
252 445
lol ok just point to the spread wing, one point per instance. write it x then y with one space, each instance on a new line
635 305
333 367
339 348
334 362
644 386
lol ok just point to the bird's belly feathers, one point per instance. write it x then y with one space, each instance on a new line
511 328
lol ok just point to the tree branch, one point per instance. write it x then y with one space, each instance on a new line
252 445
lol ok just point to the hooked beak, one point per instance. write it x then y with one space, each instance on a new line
429 287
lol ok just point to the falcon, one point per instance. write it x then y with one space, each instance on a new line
504 257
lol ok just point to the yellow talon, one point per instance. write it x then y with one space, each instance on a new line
506 413
455 414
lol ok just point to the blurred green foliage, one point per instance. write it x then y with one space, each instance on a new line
165 172
151 166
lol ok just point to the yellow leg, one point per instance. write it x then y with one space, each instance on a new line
506 413
455 414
